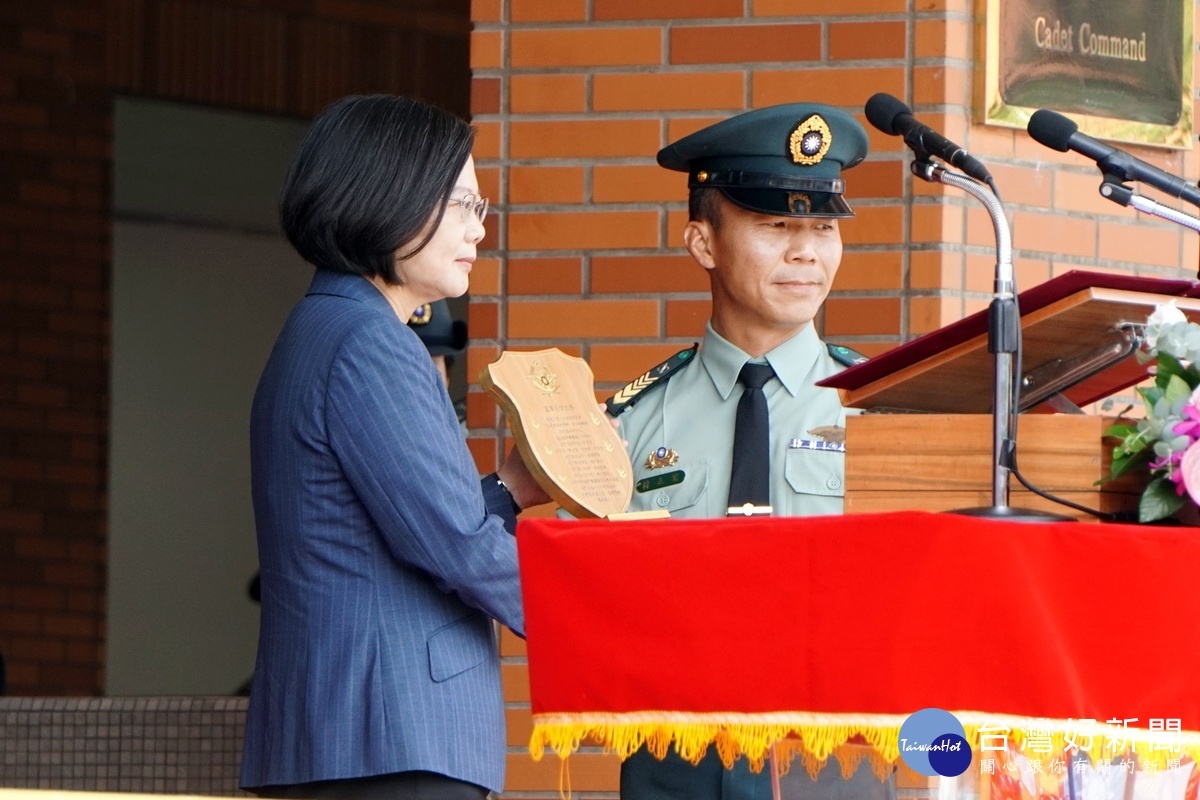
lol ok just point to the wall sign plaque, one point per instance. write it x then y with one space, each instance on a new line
1121 68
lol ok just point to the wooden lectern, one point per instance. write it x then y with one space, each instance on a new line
924 441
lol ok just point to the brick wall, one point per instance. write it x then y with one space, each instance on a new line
573 99
61 62
55 141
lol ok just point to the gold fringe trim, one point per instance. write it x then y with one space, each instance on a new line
816 737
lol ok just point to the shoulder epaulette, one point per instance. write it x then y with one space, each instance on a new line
844 355
657 376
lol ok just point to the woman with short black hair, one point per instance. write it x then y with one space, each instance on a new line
384 558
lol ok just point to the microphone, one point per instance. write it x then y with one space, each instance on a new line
894 118
1059 133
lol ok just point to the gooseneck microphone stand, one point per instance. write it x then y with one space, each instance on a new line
1004 337
1119 193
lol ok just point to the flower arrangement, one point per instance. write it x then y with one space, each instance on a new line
1165 441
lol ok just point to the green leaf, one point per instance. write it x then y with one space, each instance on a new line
1159 501
1150 396
1121 431
1168 366
1128 462
1132 440
1177 389
1191 374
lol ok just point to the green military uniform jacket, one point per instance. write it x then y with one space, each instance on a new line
692 418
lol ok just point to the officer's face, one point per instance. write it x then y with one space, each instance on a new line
769 274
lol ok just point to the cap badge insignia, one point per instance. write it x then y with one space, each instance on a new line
541 376
810 141
799 203
662 457
421 315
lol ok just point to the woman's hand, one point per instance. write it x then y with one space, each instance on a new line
525 490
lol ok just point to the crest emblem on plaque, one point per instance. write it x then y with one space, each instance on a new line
543 378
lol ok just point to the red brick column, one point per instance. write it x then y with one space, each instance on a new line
55 230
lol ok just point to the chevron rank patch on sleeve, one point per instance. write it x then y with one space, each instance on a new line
657 376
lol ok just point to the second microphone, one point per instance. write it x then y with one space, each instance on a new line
894 118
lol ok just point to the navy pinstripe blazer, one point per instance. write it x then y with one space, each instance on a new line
382 567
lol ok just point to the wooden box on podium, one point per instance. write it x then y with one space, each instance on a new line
1079 333
939 462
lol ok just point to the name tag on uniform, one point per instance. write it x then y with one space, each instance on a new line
659 481
816 444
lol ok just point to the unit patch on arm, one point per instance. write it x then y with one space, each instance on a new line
844 355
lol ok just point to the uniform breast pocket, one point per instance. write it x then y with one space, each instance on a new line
459 646
680 486
817 480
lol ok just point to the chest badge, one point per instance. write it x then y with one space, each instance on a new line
830 433
662 457
827 437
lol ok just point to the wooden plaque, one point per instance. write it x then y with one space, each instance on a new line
568 444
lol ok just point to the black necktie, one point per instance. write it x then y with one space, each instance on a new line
750 480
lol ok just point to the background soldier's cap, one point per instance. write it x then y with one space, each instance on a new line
785 160
441 334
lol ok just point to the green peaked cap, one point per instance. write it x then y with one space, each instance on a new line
785 160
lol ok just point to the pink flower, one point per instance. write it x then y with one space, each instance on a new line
1171 465
1189 471
1190 425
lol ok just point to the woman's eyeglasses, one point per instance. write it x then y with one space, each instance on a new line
470 204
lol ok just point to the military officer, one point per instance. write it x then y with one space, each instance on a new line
443 336
765 205
446 339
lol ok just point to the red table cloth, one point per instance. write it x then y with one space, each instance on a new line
745 632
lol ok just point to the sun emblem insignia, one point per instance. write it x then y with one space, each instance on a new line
421 315
810 141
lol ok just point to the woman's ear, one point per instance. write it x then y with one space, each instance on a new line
698 239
